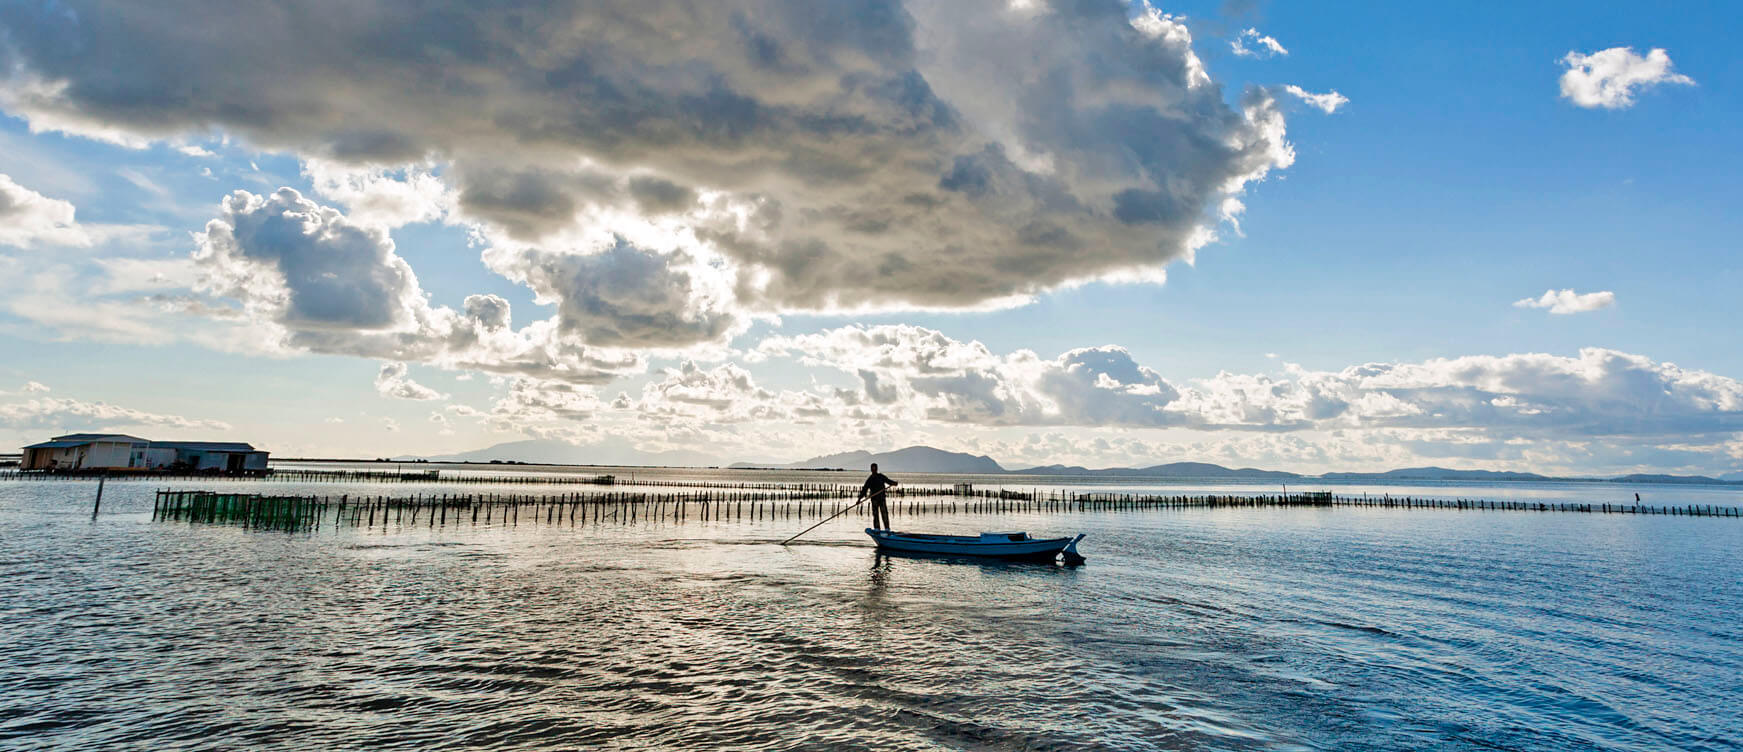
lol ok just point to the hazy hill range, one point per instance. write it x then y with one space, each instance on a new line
1444 474
1435 473
1169 470
925 459
554 452
1656 478
914 459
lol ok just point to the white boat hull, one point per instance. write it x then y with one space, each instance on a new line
999 545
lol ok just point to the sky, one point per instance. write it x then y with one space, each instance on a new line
1307 237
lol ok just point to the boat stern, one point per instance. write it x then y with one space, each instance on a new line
1070 555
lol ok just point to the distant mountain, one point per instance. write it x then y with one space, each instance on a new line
1057 470
1170 470
1655 478
925 459
1435 473
554 452
914 459
852 460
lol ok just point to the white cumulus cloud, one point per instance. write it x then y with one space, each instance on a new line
875 386
28 218
1263 46
58 413
925 375
394 380
378 196
1610 78
1568 301
306 265
1328 102
311 280
623 295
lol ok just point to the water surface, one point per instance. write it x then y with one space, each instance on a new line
1336 629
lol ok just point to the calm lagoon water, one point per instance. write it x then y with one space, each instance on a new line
1335 629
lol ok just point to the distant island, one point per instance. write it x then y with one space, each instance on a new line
925 459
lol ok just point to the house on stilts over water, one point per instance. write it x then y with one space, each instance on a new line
121 453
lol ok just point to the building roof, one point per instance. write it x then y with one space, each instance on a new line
86 438
206 446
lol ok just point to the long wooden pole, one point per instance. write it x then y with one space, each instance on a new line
98 504
820 524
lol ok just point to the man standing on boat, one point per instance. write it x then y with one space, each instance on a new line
875 487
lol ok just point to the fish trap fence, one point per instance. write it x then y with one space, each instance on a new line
810 490
1386 501
317 476
628 507
431 510
249 510
434 476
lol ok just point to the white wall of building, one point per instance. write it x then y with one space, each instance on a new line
97 455
113 454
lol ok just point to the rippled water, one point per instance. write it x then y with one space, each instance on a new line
1343 629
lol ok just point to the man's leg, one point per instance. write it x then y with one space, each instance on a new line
880 514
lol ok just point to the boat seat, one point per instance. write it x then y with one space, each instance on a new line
1004 536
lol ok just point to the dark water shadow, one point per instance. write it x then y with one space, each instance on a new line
986 564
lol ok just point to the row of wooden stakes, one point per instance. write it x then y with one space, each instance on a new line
313 512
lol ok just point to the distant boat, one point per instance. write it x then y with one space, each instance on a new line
997 545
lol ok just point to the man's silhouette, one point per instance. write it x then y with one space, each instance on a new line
875 486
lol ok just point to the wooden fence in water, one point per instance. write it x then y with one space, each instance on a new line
320 476
836 490
625 507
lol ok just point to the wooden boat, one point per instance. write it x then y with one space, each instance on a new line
998 545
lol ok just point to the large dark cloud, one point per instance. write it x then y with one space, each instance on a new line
858 153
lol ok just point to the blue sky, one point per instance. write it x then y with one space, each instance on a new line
732 266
